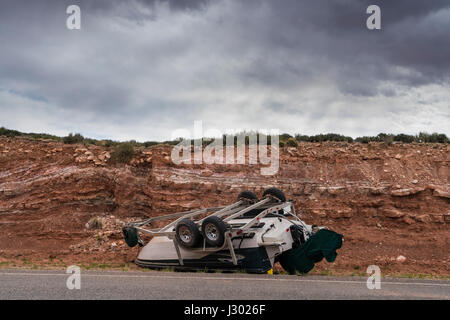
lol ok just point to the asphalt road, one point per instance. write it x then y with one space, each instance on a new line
40 284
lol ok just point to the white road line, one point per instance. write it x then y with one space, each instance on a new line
224 278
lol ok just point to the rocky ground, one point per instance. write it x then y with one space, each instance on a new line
66 203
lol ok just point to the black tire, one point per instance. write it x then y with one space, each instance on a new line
213 230
276 193
248 196
187 233
130 235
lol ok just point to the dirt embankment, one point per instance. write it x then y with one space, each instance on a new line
387 200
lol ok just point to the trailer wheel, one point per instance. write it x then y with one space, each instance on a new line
130 235
187 233
248 196
213 230
276 193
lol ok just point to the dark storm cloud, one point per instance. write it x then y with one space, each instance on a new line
414 35
300 65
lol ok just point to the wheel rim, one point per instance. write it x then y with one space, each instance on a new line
211 232
185 234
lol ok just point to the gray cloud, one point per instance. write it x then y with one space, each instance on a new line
141 69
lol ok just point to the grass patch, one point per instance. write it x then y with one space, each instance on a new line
326 273
419 276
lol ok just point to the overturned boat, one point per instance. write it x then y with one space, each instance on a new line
251 235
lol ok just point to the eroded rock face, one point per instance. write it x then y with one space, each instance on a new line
392 213
49 191
406 192
339 180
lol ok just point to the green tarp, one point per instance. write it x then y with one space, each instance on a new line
323 243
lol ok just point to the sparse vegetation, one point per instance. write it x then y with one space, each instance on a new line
95 223
123 153
73 138
9 133
324 137
14 133
291 142
433 138
150 143
123 149
422 137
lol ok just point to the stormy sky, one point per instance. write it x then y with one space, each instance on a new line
142 69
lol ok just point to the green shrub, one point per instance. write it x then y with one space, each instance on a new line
122 153
324 137
73 138
386 138
150 143
291 142
9 133
365 139
404 138
285 136
170 142
432 138
87 141
300 137
440 138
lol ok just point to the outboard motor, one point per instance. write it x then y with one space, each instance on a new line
131 236
297 235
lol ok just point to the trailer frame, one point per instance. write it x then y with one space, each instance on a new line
226 213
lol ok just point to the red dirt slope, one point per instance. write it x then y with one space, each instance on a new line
387 200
